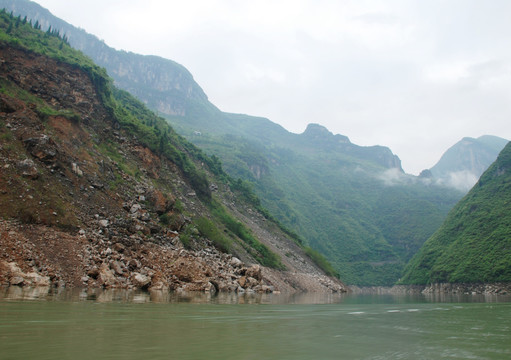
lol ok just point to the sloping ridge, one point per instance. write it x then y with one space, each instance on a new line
474 243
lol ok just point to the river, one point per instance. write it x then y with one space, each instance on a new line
80 324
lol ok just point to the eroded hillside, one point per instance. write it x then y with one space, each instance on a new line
85 201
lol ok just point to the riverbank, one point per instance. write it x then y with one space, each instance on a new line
440 288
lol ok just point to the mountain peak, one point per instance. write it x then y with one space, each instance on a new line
464 162
319 132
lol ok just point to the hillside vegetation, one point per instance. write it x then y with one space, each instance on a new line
474 243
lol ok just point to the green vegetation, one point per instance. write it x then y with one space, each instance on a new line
474 243
339 204
321 261
208 229
257 249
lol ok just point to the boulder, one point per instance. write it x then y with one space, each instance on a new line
255 272
17 280
235 262
135 208
140 281
160 202
134 264
117 267
103 223
106 277
28 169
93 273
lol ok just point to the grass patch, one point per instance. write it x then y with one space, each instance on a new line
208 229
321 261
256 248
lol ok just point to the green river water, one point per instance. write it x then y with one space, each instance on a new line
35 324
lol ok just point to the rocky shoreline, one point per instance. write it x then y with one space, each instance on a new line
39 256
437 289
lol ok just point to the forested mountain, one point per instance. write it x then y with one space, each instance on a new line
474 243
98 191
352 203
463 163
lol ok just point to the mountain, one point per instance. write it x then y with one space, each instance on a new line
98 191
463 163
352 203
473 245
164 85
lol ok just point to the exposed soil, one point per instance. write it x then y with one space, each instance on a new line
81 201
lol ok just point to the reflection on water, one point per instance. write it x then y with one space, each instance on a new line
138 296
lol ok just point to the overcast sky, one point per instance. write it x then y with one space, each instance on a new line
415 76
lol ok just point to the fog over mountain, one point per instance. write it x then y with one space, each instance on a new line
463 163
411 75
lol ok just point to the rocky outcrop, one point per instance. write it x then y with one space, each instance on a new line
322 139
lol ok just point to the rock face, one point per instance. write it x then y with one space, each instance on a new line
324 139
84 204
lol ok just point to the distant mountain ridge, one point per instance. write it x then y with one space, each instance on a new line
463 163
162 84
353 203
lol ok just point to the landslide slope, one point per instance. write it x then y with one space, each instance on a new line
95 190
352 203
474 243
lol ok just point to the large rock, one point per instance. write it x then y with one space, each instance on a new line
254 272
41 147
28 169
20 278
140 281
106 276
160 202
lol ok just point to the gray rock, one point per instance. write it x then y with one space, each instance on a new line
17 280
117 267
28 169
235 262
140 281
135 208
